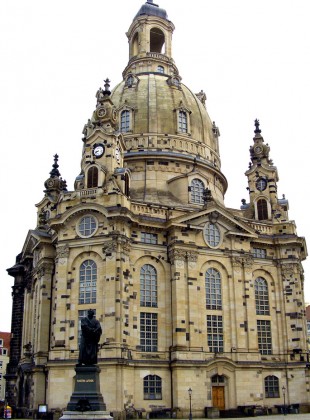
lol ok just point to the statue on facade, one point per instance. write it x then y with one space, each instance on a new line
90 336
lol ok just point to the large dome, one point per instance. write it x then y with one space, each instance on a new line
155 104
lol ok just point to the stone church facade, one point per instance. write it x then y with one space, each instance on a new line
189 293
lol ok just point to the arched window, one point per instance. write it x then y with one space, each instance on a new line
157 40
152 387
213 289
197 190
272 387
182 122
125 121
135 44
127 189
262 209
88 282
129 81
92 177
160 69
148 286
261 296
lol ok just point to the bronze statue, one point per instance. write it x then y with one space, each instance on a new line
90 336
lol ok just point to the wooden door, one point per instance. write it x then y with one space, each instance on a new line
218 397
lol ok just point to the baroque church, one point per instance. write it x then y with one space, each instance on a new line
190 294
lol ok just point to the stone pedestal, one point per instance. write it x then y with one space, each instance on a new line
86 415
86 401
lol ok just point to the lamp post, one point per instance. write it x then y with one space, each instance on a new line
190 403
283 391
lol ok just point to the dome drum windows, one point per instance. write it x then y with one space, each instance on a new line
183 120
126 120
197 189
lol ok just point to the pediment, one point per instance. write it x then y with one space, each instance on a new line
232 224
33 239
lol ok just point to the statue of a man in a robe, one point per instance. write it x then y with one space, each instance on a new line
90 336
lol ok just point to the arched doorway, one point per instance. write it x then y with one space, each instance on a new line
218 383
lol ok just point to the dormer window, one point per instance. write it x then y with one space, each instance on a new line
129 81
125 121
182 122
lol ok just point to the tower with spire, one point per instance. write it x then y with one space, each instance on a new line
189 293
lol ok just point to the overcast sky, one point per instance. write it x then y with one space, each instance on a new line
252 58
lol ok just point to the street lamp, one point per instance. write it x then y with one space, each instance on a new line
283 391
190 403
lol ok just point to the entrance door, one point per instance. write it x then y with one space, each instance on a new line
218 397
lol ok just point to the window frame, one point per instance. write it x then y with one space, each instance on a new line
197 189
148 286
87 226
152 382
264 336
83 283
212 235
215 333
262 209
213 283
259 253
125 123
148 331
92 177
261 296
149 238
271 386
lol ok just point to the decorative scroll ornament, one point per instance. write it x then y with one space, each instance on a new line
109 247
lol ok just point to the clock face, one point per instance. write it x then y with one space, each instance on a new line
258 149
98 150
101 112
261 184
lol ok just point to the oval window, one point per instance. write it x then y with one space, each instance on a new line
212 234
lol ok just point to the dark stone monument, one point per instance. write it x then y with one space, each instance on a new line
87 401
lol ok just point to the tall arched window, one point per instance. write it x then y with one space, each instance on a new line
272 387
127 189
92 177
148 286
152 387
197 190
88 282
125 121
213 289
182 122
261 296
262 209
